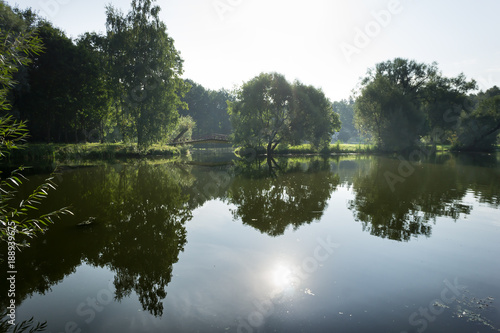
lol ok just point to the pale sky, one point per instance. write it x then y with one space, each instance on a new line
329 44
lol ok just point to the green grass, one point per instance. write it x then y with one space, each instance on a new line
332 149
90 151
307 149
443 147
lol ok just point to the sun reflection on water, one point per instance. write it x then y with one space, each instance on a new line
282 277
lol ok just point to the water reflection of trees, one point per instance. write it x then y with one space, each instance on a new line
149 211
481 173
429 192
273 197
140 213
141 210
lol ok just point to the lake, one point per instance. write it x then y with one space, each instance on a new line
214 244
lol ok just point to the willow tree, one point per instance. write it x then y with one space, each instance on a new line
402 101
268 110
145 70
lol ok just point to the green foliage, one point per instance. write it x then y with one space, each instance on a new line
126 86
261 113
406 210
13 134
345 109
54 100
109 151
122 86
62 93
15 50
46 155
183 130
443 99
268 111
145 67
15 217
401 100
9 20
93 98
308 149
312 116
479 130
26 326
272 202
208 109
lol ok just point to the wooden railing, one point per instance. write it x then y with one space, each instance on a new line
215 138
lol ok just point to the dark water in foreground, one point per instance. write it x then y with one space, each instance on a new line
350 244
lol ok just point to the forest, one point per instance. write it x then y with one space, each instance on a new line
127 85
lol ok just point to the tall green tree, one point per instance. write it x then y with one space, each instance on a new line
269 110
15 222
443 100
400 100
62 94
64 97
262 112
386 113
479 130
312 118
94 98
146 68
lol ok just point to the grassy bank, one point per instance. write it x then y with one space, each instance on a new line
90 151
332 149
337 148
307 149
109 151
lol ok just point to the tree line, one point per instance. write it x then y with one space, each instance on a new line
402 104
126 85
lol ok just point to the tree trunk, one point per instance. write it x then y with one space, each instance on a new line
269 149
47 133
101 131
180 135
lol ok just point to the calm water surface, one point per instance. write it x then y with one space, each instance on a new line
349 244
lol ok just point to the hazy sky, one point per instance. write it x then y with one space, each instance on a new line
325 43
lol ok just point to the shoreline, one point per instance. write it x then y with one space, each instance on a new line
44 153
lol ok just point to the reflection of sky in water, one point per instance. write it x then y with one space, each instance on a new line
229 271
231 274
281 277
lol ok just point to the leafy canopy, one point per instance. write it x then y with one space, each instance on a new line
269 110
145 71
401 101
15 219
